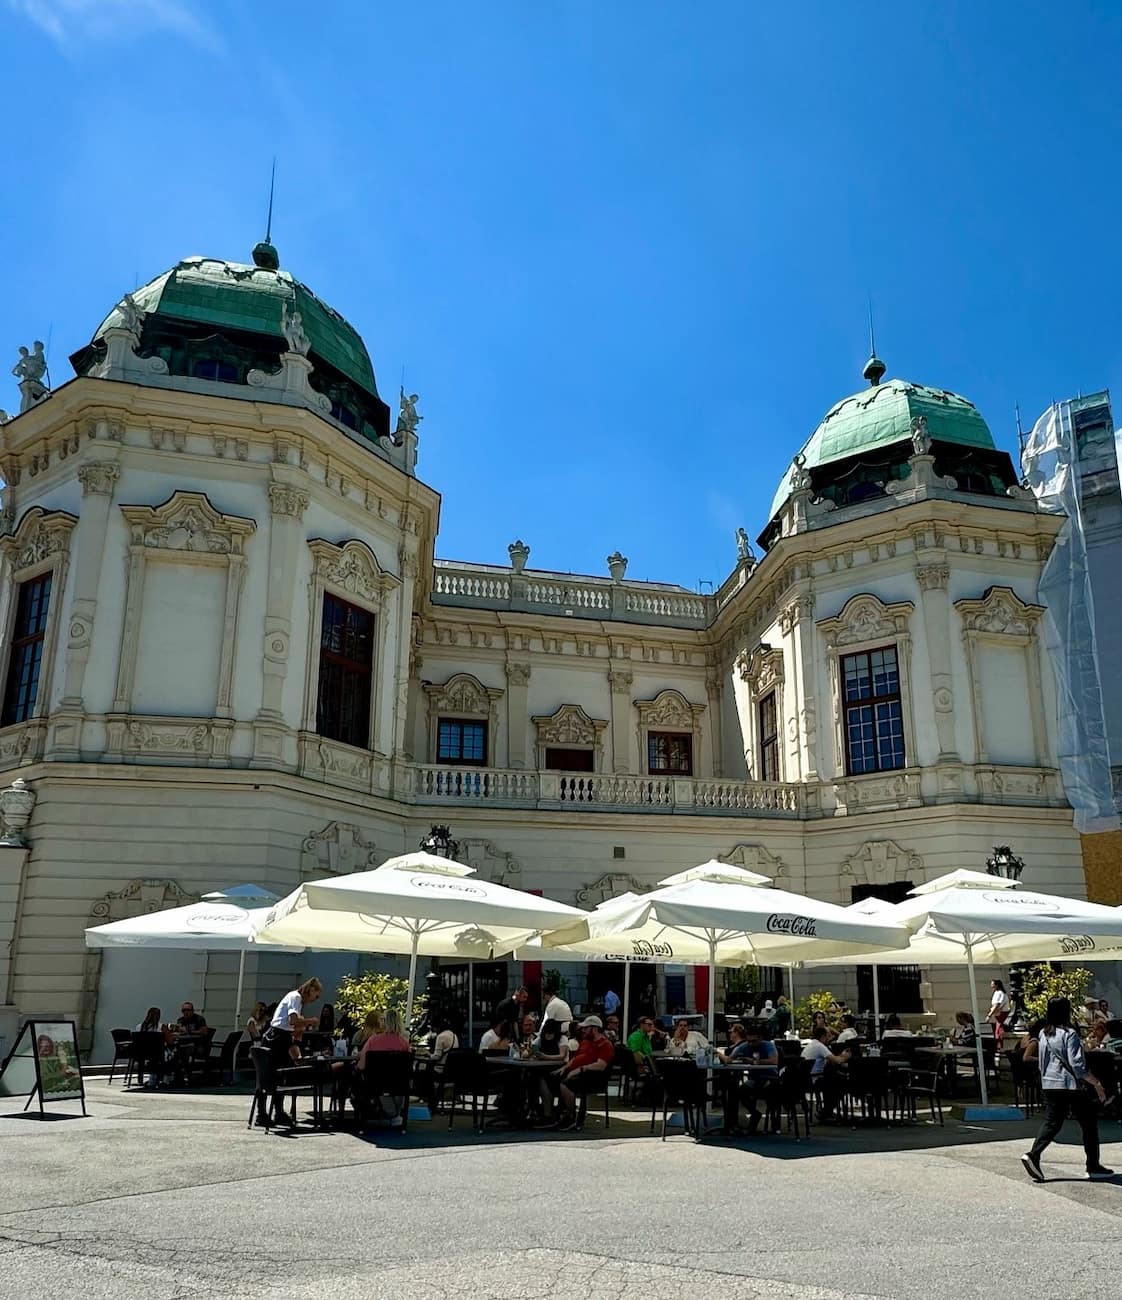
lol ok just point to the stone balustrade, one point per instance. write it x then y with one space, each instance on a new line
504 788
480 586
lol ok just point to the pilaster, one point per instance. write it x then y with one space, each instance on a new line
517 713
620 680
933 577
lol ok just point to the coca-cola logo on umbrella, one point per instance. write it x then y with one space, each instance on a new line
447 887
799 926
1022 900
214 920
644 948
1073 943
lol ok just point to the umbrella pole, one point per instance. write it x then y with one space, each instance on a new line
412 979
238 995
471 1003
626 999
712 987
977 1025
876 1001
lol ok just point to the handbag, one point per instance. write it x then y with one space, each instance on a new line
1081 1084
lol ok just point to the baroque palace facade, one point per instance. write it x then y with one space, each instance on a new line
230 655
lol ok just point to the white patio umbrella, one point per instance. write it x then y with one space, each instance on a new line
206 926
967 915
719 914
417 904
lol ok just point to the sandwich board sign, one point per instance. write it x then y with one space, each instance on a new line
44 1064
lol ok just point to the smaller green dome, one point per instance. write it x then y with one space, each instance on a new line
882 415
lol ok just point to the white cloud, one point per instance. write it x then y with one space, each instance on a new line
69 22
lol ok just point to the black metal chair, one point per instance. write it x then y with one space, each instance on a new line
920 1085
384 1076
685 1086
596 1085
222 1065
868 1086
627 1072
122 1050
148 1053
467 1074
789 1095
268 1084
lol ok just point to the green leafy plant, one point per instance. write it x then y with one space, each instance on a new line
805 1010
555 980
1043 983
742 979
360 994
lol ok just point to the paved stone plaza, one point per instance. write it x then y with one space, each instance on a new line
167 1196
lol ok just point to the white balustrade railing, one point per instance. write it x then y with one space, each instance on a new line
481 586
504 787
667 604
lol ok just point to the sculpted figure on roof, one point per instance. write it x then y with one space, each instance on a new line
292 326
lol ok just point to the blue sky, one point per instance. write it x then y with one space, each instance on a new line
622 250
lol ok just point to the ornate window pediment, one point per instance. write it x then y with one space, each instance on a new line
40 535
670 708
463 696
570 725
865 618
761 668
999 610
879 862
754 857
352 568
187 522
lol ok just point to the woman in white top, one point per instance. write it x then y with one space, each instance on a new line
288 1021
999 1001
685 1041
497 1038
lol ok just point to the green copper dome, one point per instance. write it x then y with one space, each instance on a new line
880 416
228 295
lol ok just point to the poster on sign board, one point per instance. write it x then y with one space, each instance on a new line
44 1064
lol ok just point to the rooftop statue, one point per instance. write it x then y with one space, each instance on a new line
921 439
132 316
292 327
744 546
407 418
29 370
800 475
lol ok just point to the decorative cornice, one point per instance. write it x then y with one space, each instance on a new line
187 522
761 668
999 610
39 535
865 618
353 568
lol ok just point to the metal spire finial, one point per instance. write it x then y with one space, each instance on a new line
874 367
264 254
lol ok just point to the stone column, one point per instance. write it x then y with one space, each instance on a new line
17 803
713 694
797 621
98 479
934 577
287 504
621 680
410 565
517 714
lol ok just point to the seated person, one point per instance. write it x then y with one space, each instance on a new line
894 1029
257 1023
529 1027
583 1072
782 1018
190 1022
446 1040
1113 1040
849 1029
964 1034
390 1038
551 1044
757 1049
738 1049
659 1038
1096 1036
498 1038
1030 1041
612 1029
818 1021
817 1052
639 1042
685 1041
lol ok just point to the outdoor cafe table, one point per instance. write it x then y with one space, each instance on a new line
946 1060
727 1075
527 1069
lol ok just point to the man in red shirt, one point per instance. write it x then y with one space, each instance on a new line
585 1069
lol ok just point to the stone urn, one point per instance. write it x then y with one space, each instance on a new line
16 804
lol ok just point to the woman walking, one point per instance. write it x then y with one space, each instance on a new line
1064 1080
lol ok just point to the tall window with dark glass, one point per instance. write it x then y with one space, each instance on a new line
346 665
21 689
669 752
767 716
873 714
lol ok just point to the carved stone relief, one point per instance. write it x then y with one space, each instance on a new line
879 862
608 886
490 863
754 857
338 849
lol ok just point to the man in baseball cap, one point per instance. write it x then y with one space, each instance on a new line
584 1071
